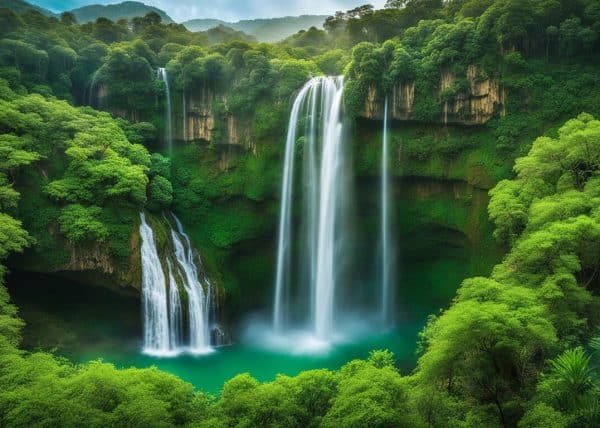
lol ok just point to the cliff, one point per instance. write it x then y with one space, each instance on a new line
482 99
200 116
89 262
205 118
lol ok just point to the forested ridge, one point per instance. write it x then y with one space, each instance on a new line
82 152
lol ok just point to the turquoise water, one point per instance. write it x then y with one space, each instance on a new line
209 372
86 323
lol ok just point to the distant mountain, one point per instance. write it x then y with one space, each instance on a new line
114 12
19 6
204 24
223 34
265 30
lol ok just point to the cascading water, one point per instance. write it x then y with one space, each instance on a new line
387 300
162 303
330 191
198 303
175 312
162 75
154 295
282 278
324 188
311 198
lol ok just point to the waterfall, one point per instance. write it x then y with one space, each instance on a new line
386 266
323 187
311 198
198 303
184 117
282 278
329 209
90 89
154 295
164 326
162 75
175 312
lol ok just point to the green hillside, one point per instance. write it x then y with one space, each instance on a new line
20 6
265 30
114 12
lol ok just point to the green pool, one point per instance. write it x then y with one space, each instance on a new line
84 322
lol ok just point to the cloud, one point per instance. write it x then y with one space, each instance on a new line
228 10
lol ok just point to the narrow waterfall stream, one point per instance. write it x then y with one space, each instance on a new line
88 96
175 311
184 121
162 75
317 106
165 325
387 295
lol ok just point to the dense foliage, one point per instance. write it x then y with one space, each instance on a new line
483 361
86 178
516 348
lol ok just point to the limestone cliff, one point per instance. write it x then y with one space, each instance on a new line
473 105
93 263
199 121
196 119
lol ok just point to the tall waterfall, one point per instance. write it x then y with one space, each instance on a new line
162 75
164 322
329 208
283 273
154 295
387 301
323 183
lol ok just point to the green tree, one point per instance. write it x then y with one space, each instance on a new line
372 393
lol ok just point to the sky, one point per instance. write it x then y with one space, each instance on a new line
227 10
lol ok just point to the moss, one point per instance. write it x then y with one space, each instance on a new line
443 152
269 120
225 210
40 217
235 223
120 223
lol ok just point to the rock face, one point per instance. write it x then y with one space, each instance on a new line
94 264
482 100
195 119
199 116
200 122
